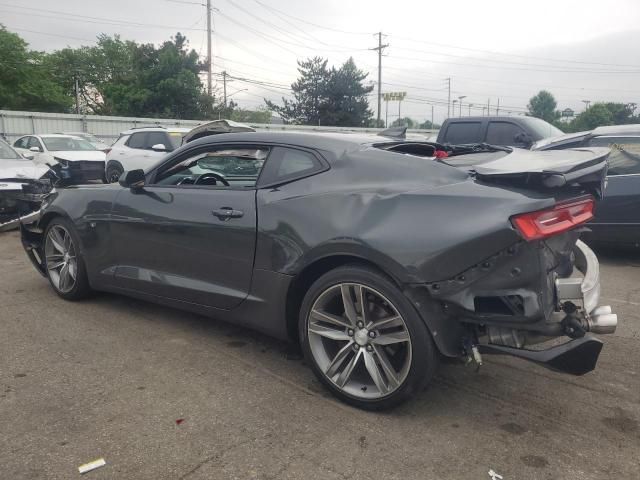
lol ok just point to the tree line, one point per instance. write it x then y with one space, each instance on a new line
543 105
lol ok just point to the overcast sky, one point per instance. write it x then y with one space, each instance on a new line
492 50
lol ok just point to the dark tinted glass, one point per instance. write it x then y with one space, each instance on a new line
502 133
154 138
22 142
287 163
137 140
464 132
625 153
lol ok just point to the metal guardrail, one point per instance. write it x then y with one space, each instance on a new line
14 124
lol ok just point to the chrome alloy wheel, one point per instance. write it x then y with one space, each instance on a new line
359 340
60 255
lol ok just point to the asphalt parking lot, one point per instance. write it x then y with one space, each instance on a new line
159 393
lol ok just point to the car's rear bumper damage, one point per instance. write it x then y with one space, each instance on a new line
530 294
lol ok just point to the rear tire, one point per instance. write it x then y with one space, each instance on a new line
373 360
63 260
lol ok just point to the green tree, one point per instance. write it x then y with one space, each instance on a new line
262 115
25 82
119 77
346 103
325 96
405 122
543 105
309 92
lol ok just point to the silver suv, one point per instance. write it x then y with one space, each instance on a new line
141 148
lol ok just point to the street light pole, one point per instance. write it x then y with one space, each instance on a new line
460 99
470 105
453 102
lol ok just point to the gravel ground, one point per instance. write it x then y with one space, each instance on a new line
109 377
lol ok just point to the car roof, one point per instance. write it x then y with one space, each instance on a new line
156 129
55 135
330 141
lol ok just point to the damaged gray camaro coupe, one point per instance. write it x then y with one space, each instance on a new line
373 254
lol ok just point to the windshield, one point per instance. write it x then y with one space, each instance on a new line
176 139
8 153
88 137
59 144
541 128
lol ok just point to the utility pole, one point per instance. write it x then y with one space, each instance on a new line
586 103
470 105
224 86
453 103
77 91
209 56
379 49
449 97
386 113
498 107
432 116
488 107
399 103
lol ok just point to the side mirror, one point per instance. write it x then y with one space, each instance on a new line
133 179
28 156
35 149
523 140
159 147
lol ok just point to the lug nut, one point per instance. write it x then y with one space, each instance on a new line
360 324
356 346
350 332
369 348
372 334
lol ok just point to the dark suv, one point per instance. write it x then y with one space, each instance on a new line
512 131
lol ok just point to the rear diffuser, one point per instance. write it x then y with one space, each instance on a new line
575 357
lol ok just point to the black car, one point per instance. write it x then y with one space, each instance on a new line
375 260
617 217
507 130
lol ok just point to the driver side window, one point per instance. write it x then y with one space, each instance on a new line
230 167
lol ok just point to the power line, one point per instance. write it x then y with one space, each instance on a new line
65 16
491 52
311 23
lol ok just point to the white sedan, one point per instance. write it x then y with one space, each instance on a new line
72 158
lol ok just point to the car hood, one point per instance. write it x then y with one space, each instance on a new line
215 127
16 170
75 155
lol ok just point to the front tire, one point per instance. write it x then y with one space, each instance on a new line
113 173
63 260
364 339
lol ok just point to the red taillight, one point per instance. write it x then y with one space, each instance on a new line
441 154
562 217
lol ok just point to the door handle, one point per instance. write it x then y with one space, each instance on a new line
225 213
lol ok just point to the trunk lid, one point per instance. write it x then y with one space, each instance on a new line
215 127
583 169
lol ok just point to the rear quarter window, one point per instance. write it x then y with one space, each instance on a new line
137 140
285 164
463 132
